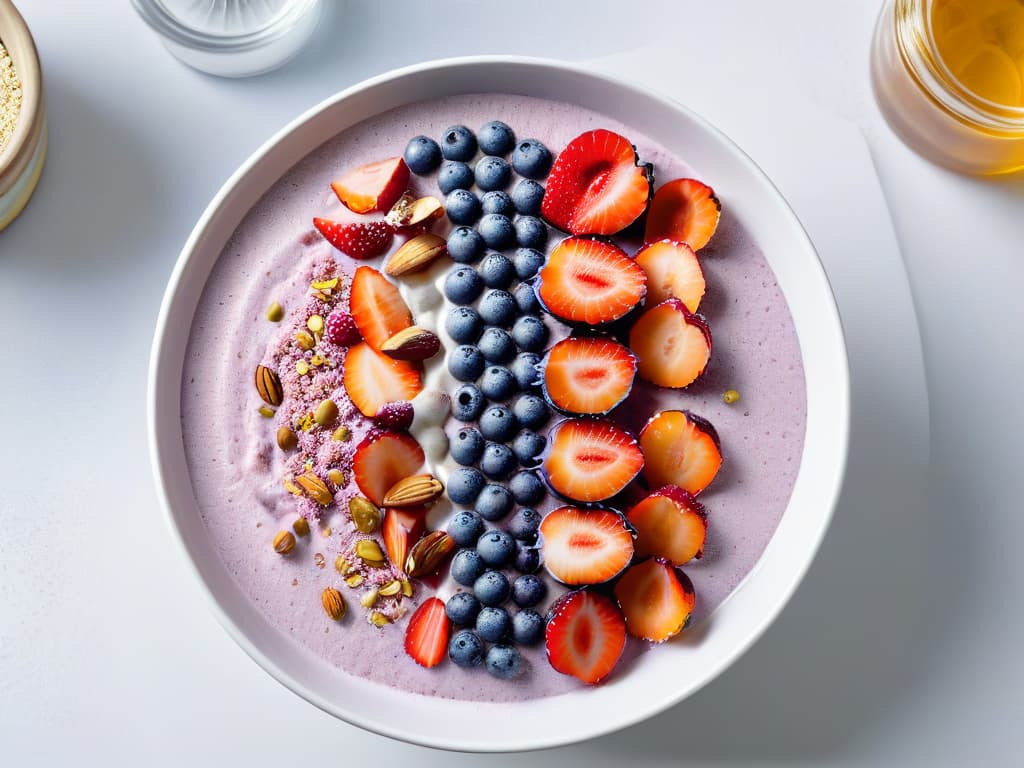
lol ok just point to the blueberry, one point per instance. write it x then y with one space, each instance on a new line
526 487
527 558
498 461
497 346
465 245
498 383
464 325
493 624
530 333
458 143
496 270
467 403
454 175
466 363
503 661
527 196
464 485
494 502
497 201
531 232
467 567
498 424
525 369
527 627
467 447
531 159
465 649
526 299
462 607
462 285
491 587
522 527
422 155
527 447
465 528
496 548
497 307
527 261
492 173
528 590
462 207
497 231
496 138
530 411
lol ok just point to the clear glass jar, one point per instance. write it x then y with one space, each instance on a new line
929 108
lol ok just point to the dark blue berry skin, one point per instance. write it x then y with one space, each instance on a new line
525 369
497 231
523 526
527 261
467 568
526 299
462 608
498 462
465 649
503 662
530 334
466 363
464 325
422 155
464 485
465 245
497 307
531 232
462 207
492 173
467 447
496 548
531 159
528 590
497 423
463 285
468 403
496 270
493 624
466 528
494 502
527 558
497 346
458 143
454 175
528 446
526 487
527 196
528 627
530 411
498 201
498 383
496 138
492 587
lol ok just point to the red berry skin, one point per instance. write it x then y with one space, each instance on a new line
397 415
340 329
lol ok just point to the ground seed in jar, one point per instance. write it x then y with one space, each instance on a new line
10 97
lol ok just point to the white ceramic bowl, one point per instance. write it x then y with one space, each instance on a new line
656 680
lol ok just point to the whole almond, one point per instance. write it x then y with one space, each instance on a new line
333 602
414 491
286 439
412 343
427 554
284 542
415 254
268 384
315 488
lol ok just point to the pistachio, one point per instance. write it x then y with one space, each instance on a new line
268 384
365 515
301 527
379 619
391 589
337 477
730 396
427 554
284 542
301 367
342 434
414 491
334 603
406 587
342 565
325 413
369 598
354 580
316 324
317 360
266 413
325 285
275 312
369 552
304 340
286 439
315 488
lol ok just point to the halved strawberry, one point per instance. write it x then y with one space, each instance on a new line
670 524
374 186
591 459
586 546
372 379
590 282
426 637
585 636
360 240
685 210
381 460
656 599
401 529
597 185
588 374
672 272
377 307
682 449
672 344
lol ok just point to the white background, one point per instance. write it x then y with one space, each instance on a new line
903 644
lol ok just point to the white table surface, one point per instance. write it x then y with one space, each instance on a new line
902 646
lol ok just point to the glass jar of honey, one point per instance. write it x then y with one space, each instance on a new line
949 78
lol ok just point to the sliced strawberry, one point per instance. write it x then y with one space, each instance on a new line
377 307
426 637
588 375
681 449
374 186
360 240
596 186
591 459
685 210
401 529
656 599
590 282
672 344
672 272
586 546
585 636
381 460
670 524
372 379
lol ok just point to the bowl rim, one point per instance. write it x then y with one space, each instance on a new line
838 401
17 39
